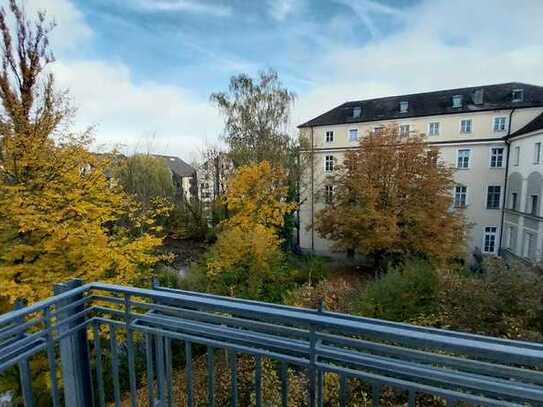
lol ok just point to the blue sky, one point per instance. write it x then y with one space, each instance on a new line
141 71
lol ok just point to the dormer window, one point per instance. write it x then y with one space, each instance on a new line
457 101
518 95
404 106
357 111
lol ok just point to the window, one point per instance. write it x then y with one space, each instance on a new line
329 136
514 200
404 106
433 129
329 194
493 197
516 156
518 95
534 205
537 153
404 130
353 135
457 101
433 155
357 111
378 130
529 245
489 239
465 126
329 163
462 159
460 196
499 124
496 157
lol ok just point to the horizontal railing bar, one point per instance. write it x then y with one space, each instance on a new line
418 387
499 350
447 378
229 320
211 342
472 365
25 355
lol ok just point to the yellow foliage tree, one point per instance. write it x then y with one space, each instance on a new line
60 216
246 259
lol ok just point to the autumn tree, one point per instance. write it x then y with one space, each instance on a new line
392 197
257 113
246 259
60 215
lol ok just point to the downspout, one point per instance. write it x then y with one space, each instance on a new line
508 144
312 195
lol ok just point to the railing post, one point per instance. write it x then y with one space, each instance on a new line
24 367
74 352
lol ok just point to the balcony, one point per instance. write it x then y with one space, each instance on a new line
75 330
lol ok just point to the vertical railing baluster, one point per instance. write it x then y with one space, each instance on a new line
233 377
161 370
188 372
344 390
284 384
25 374
115 365
320 387
99 372
412 398
312 367
258 380
150 374
210 376
169 370
51 357
376 394
130 349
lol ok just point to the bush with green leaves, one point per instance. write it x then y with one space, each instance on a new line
401 294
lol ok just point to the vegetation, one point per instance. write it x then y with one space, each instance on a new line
60 217
391 200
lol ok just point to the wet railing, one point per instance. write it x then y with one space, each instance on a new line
96 341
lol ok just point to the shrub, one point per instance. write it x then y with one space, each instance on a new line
505 300
402 294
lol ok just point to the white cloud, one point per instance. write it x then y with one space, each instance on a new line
141 117
443 45
71 28
191 6
281 9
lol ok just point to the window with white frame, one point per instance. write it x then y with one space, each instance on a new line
353 135
489 239
357 111
537 153
511 238
516 156
328 193
457 101
493 195
514 200
463 158
534 205
465 126
496 157
518 95
499 124
529 245
433 129
404 106
460 196
329 136
404 130
378 130
329 163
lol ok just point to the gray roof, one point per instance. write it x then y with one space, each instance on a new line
534 125
474 99
177 165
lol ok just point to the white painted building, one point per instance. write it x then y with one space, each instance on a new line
472 128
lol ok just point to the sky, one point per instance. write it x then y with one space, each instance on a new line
141 72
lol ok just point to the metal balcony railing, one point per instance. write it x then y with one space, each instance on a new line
75 329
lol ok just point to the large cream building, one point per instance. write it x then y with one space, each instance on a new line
492 135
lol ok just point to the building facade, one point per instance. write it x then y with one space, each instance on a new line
476 131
